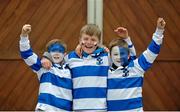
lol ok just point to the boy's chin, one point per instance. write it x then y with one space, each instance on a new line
89 51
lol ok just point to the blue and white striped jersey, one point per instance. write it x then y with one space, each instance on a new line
125 84
55 91
89 76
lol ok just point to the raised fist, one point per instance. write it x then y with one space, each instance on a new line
26 29
161 23
121 32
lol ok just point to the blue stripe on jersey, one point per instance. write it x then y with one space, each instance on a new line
131 63
26 54
131 58
90 71
120 105
145 65
55 80
37 66
90 92
153 47
54 101
73 55
120 83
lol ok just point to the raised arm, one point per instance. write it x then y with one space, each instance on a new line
30 58
123 33
150 54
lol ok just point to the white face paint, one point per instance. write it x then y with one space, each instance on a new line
119 56
57 57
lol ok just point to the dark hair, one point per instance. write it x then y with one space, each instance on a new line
56 41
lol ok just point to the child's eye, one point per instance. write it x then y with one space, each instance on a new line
93 40
85 39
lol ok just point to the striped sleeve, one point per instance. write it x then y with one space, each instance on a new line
30 58
150 54
131 48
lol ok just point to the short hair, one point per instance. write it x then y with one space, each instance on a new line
118 42
56 41
92 30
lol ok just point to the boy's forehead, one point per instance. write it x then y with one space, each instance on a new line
118 48
84 35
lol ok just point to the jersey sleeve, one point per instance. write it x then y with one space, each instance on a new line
30 58
147 58
132 49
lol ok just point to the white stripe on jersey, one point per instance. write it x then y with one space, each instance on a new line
149 55
89 81
132 110
31 59
123 94
93 103
24 44
48 108
87 62
59 92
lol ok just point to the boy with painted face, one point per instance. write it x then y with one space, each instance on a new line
89 72
125 79
120 56
55 91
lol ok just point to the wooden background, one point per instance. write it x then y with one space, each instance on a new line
64 19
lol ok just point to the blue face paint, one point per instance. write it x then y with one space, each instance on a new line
123 56
56 48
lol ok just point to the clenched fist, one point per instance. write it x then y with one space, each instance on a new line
26 29
161 23
121 32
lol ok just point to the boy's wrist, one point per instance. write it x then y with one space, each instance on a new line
159 31
128 40
24 38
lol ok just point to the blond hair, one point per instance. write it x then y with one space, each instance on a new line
91 30
56 41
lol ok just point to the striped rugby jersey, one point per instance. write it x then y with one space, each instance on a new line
55 91
89 76
125 84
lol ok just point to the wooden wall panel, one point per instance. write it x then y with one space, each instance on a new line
49 19
161 83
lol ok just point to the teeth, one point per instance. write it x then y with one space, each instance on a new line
88 47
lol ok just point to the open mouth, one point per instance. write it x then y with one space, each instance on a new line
89 47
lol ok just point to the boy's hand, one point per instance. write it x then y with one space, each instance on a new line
46 63
121 32
161 23
26 29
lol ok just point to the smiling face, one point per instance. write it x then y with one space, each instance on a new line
57 57
119 56
89 43
57 49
